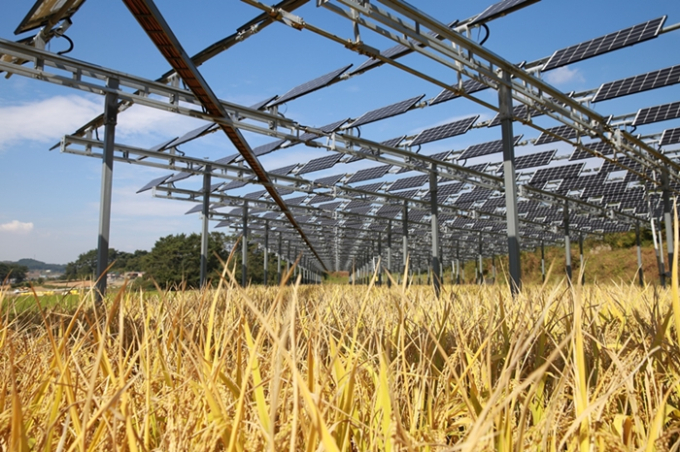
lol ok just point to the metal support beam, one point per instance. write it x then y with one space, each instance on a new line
434 208
244 247
567 241
458 269
480 261
542 261
278 260
641 277
580 254
266 253
380 258
389 251
404 220
668 220
205 235
110 120
510 180
657 251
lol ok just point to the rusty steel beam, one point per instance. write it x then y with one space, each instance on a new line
151 20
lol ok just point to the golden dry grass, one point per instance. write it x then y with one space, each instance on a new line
346 368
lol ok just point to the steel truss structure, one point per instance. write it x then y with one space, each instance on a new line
458 209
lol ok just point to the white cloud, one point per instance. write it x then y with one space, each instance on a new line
45 120
563 75
16 227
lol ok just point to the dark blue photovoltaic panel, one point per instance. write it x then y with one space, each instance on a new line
500 9
469 86
260 105
321 163
283 170
310 86
179 177
267 148
228 159
409 182
197 208
163 145
638 83
369 173
193 134
598 146
557 173
564 131
670 136
656 114
491 147
534 160
451 129
235 184
392 142
329 180
386 112
604 44
328 128
155 183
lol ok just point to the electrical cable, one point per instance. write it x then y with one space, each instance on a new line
71 45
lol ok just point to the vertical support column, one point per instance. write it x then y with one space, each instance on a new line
434 210
389 251
244 247
641 277
657 251
288 258
667 220
567 241
265 275
458 273
278 260
493 268
110 120
481 261
542 260
580 254
380 258
512 216
354 271
404 221
205 212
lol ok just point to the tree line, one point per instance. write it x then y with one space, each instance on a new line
174 261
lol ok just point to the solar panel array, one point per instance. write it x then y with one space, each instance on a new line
564 131
386 112
369 173
657 114
491 147
598 146
409 182
557 173
321 163
267 148
650 80
445 131
606 43
670 136
310 86
534 160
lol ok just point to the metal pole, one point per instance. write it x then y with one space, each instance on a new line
661 258
543 260
204 229
278 261
510 180
354 272
580 252
481 262
389 251
639 254
667 220
110 120
434 208
567 241
404 220
244 247
458 273
266 252
288 258
657 252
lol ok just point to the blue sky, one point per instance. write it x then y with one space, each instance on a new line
50 202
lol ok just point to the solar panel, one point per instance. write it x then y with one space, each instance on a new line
392 142
154 183
356 203
369 173
260 105
477 194
491 147
407 193
320 164
193 134
45 11
656 114
163 145
178 177
408 182
604 44
387 111
328 128
520 112
578 183
284 170
321 198
445 131
195 209
255 194
500 9
371 187
557 173
449 189
267 148
330 206
215 187
599 146
564 131
534 160
329 180
228 159
389 211
609 188
310 86
638 83
492 204
608 166
393 52
234 184
295 201
670 136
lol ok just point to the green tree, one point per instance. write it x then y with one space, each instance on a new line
86 265
14 272
175 259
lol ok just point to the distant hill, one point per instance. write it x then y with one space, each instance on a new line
33 264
